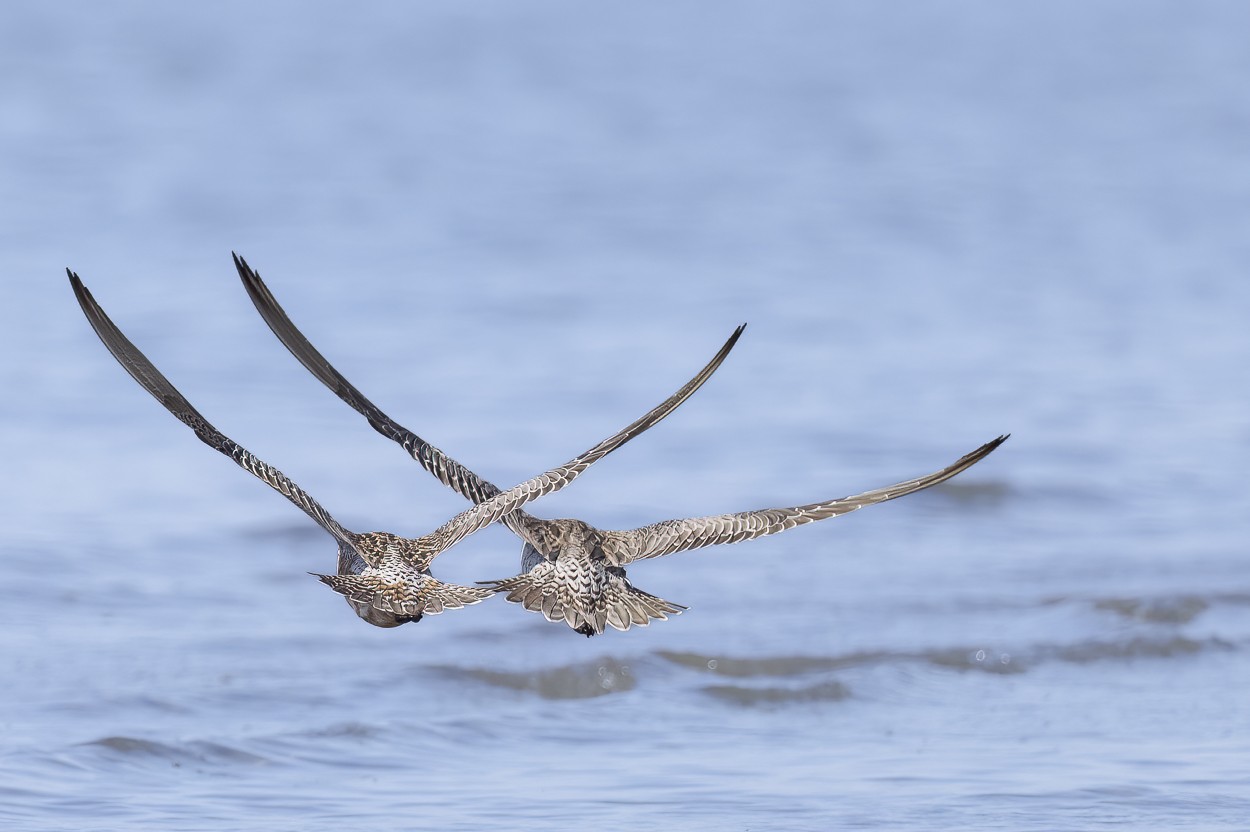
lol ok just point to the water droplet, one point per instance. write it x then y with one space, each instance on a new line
711 664
980 655
1005 658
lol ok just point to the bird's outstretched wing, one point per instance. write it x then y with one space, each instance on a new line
483 514
151 379
448 471
669 536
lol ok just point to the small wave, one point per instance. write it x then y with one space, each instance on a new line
132 745
585 680
831 691
765 666
979 659
1178 610
1138 648
352 730
960 658
197 752
575 681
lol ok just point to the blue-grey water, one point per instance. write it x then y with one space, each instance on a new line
518 226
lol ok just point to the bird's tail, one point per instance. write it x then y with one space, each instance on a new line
614 602
429 596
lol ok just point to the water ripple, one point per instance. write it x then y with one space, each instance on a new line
1138 648
583 680
981 659
763 666
740 695
1177 609
198 752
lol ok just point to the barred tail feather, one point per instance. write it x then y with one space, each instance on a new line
615 603
429 597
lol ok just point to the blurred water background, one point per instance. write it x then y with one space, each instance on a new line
517 226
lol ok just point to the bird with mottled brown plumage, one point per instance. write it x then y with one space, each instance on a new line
385 577
572 572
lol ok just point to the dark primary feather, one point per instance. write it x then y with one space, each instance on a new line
151 379
448 471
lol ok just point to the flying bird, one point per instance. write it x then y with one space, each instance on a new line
384 577
572 572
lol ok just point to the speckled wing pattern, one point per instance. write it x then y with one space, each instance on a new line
483 514
151 379
665 538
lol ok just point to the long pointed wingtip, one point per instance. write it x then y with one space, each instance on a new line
991 446
729 344
240 264
85 300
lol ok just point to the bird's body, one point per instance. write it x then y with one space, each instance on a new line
386 579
